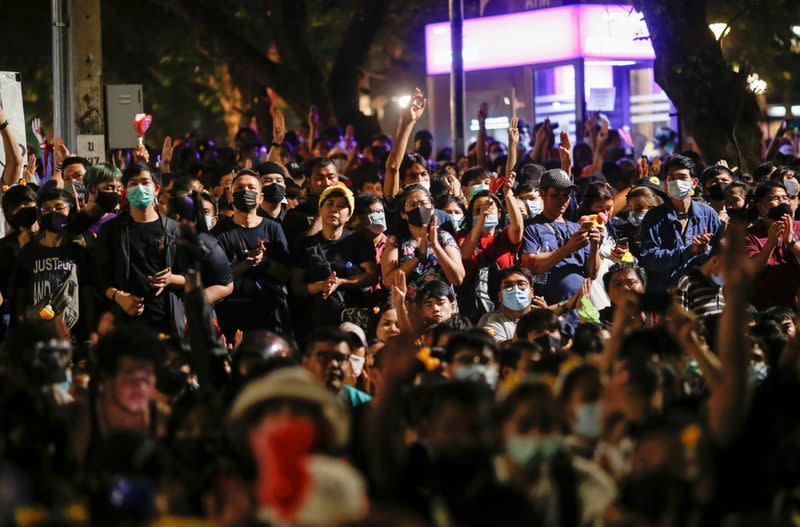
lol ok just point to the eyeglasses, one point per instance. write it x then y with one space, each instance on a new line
424 203
61 209
326 357
522 284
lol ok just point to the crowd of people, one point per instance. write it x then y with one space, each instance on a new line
317 331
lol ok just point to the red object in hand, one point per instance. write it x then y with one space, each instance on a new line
142 122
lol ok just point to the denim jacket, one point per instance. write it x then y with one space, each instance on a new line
666 253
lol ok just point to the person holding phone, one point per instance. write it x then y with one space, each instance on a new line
135 254
560 253
421 250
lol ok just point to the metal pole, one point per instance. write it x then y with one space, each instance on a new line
457 76
63 123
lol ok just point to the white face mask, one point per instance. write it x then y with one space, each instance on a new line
535 206
426 184
210 222
377 222
357 363
679 189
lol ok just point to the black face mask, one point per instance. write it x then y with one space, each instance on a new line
549 343
776 213
108 201
420 217
274 193
717 191
170 379
737 214
245 200
54 222
24 217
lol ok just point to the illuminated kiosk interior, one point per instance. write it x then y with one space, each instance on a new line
556 63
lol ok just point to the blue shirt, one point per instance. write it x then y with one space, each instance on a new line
541 235
666 253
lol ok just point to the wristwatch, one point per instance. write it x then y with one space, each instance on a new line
3 126
276 145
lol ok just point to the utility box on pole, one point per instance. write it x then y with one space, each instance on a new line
123 101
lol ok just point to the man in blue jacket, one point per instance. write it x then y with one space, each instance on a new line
676 234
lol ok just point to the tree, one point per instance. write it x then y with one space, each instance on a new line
707 79
714 102
307 51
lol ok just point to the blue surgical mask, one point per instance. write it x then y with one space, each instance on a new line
523 449
140 196
635 218
589 420
516 299
679 189
457 221
489 223
478 373
718 279
474 189
535 206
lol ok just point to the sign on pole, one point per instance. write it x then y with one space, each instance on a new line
92 147
11 102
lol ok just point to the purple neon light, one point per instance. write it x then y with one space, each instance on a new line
546 35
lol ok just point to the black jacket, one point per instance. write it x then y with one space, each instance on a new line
112 259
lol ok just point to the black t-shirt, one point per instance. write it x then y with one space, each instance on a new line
298 220
215 269
319 257
256 282
148 257
9 249
41 270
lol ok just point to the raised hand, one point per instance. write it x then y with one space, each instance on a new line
399 288
141 154
565 151
313 117
30 171
416 108
278 127
513 132
483 113
602 135
644 167
655 168
38 131
349 138
166 151
508 187
60 150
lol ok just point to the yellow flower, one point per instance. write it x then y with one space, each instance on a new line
691 435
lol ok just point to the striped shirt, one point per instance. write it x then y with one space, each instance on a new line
699 294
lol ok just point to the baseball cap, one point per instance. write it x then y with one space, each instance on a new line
338 189
557 179
356 334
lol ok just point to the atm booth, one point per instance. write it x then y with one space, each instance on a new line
557 63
